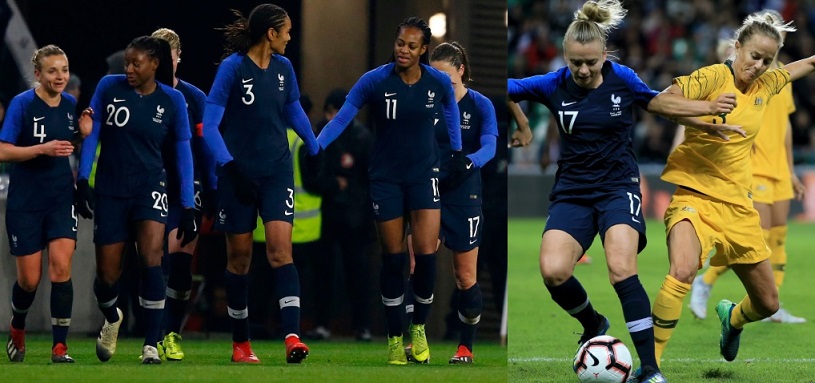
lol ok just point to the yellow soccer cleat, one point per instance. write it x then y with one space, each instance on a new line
420 350
396 354
170 348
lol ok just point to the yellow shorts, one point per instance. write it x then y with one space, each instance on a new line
733 231
769 191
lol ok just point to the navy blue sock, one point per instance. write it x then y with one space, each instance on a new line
179 287
237 291
424 281
21 301
572 298
392 287
287 287
152 299
409 306
469 313
106 297
637 313
62 301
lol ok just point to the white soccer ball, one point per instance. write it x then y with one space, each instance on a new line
603 358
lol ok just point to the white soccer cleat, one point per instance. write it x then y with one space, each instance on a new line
699 295
106 343
784 316
149 355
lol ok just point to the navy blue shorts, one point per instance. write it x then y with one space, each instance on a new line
30 231
583 218
114 216
275 202
393 199
461 227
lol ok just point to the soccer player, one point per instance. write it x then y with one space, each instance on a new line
253 99
179 259
140 111
712 207
406 95
774 185
461 217
597 185
37 134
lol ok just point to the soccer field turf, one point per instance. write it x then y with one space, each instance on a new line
542 338
208 361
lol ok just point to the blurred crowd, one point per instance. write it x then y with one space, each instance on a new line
660 39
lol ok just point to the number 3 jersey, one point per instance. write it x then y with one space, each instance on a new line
596 126
132 129
405 146
37 183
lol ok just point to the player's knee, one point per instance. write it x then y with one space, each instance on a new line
683 274
555 277
465 279
59 273
29 283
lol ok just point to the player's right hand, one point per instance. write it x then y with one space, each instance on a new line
725 103
242 185
58 148
83 199
521 137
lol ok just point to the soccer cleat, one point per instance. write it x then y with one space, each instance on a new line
149 355
584 260
296 350
784 316
59 354
462 356
242 353
15 348
170 348
106 343
396 354
601 330
420 350
647 375
699 295
729 342
408 355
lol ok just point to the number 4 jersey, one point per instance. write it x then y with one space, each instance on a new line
595 126
38 183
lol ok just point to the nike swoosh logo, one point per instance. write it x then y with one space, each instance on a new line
472 241
435 121
117 100
288 212
564 103
469 166
390 94
288 301
594 359
244 81
37 119
436 199
635 220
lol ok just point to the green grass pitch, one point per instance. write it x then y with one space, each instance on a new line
542 340
208 361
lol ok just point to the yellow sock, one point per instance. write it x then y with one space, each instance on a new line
713 273
778 260
744 313
667 308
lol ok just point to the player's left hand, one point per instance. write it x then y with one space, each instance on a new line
188 227
86 122
798 187
521 137
725 103
314 163
456 177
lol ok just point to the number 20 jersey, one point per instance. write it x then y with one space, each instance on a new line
595 126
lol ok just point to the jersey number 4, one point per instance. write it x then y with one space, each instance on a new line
39 131
571 115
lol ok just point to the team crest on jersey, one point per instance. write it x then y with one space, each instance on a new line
376 208
13 240
615 107
758 103
70 122
282 84
465 120
222 217
159 114
430 99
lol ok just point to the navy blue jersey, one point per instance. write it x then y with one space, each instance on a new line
195 100
37 183
132 129
595 125
254 120
477 121
405 116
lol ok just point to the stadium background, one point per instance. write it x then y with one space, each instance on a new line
333 44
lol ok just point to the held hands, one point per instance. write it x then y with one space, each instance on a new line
188 227
725 103
83 199
798 187
314 163
243 187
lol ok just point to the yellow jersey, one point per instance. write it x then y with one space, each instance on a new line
769 150
705 163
